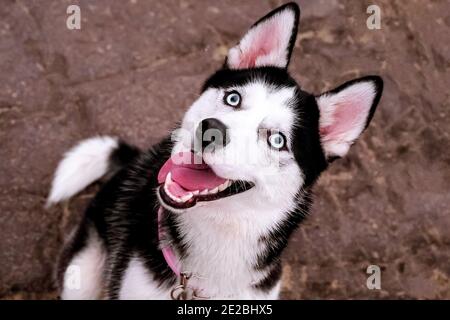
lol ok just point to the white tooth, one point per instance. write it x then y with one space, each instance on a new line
204 192
166 189
196 192
224 185
168 179
171 196
215 190
186 197
167 183
177 199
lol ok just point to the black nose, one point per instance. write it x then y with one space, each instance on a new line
211 133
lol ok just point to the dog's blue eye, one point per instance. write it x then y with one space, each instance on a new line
277 141
232 98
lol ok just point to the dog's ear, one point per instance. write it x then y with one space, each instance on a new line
269 42
345 112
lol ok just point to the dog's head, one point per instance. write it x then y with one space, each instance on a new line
254 137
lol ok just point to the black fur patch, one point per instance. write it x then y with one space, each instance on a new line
276 239
176 236
271 279
225 78
123 155
306 144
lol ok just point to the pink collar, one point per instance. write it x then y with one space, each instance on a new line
181 291
167 250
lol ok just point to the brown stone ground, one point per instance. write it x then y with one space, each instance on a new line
136 66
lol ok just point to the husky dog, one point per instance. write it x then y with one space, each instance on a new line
207 212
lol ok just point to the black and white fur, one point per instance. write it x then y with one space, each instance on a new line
234 243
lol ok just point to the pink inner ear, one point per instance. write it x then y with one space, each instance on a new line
348 114
262 43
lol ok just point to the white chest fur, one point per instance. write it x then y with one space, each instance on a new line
223 250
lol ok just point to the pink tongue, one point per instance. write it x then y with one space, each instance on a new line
188 175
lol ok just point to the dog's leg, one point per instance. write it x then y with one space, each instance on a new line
138 283
82 266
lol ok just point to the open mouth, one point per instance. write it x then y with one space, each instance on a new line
183 183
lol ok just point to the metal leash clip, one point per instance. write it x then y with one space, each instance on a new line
185 292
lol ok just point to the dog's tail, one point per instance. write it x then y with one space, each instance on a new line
86 163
